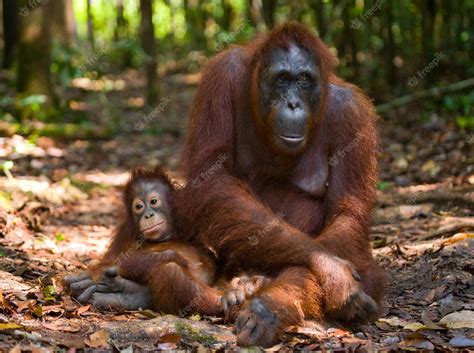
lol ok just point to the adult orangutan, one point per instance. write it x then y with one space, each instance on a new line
281 167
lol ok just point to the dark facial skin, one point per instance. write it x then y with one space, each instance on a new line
290 90
150 210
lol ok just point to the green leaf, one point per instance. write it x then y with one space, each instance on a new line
9 326
60 237
7 165
383 185
49 292
33 99
465 122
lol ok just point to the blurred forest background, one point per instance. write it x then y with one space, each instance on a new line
55 52
89 88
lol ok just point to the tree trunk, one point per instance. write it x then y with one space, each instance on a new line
429 13
227 16
319 10
195 22
10 31
35 50
120 30
90 25
256 14
446 27
149 46
268 12
390 51
62 21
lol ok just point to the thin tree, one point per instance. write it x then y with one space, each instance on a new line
390 47
321 18
254 9
62 22
10 31
120 30
227 15
195 22
428 23
269 7
90 25
147 36
35 50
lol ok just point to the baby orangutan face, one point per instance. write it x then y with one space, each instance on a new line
151 211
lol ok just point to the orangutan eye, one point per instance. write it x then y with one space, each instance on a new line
282 79
154 200
304 80
138 206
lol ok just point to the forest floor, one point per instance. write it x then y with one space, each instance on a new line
60 203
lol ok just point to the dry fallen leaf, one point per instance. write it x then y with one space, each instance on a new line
9 326
394 321
16 349
417 343
414 326
276 348
167 346
459 319
98 339
435 294
337 332
458 237
83 309
58 309
170 338
149 314
425 318
55 327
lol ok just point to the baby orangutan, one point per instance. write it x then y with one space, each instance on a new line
148 266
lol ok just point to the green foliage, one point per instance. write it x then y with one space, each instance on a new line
65 64
49 293
460 103
23 107
379 45
6 203
462 106
6 167
126 53
60 237
465 122
383 185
